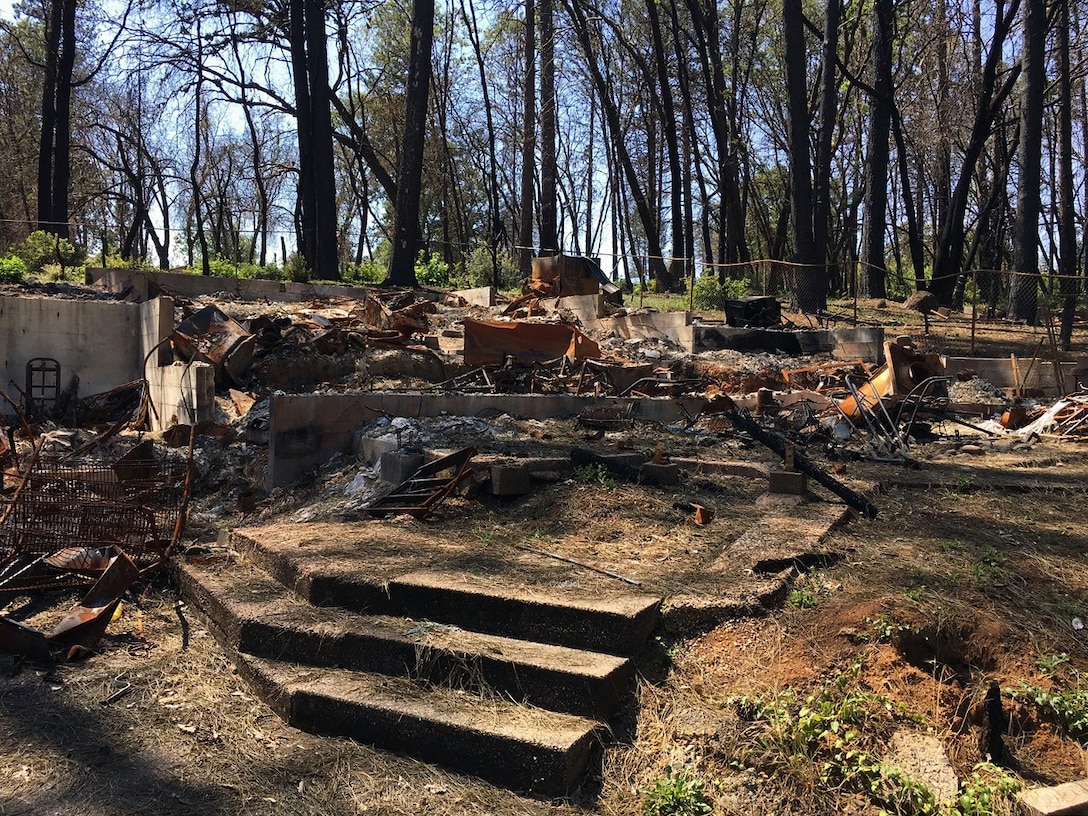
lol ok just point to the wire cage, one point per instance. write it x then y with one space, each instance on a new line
130 505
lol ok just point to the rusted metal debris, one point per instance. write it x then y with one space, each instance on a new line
420 495
88 523
489 342
777 443
212 336
83 626
398 310
133 505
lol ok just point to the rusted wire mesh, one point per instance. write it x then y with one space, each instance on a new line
133 506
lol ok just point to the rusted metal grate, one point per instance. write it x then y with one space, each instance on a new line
131 505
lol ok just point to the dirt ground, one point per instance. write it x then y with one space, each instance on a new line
975 571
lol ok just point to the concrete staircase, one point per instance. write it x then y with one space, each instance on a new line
508 683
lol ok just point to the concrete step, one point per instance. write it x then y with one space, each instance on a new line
518 747
618 624
384 577
255 614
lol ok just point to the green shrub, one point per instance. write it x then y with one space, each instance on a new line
12 269
710 294
41 248
223 268
368 272
478 271
431 270
295 269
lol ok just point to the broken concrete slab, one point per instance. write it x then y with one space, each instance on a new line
1058 800
586 308
483 296
307 429
924 758
649 326
508 480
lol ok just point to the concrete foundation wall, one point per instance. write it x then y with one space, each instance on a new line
845 344
307 430
484 296
146 285
103 343
650 326
1009 372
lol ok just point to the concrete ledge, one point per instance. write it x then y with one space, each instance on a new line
306 430
482 296
144 285
846 344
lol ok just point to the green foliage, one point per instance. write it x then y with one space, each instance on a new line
839 729
44 248
677 794
12 269
371 272
223 268
595 474
1066 703
114 261
710 294
884 628
478 270
432 270
1049 664
808 593
295 269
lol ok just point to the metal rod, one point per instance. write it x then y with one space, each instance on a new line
577 563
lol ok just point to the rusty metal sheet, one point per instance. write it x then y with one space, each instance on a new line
488 342
212 336
18 638
85 624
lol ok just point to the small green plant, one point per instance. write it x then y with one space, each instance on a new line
916 593
664 653
678 793
808 593
978 795
295 269
803 597
595 474
884 628
993 557
950 544
1049 664
839 729
1067 705
12 269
